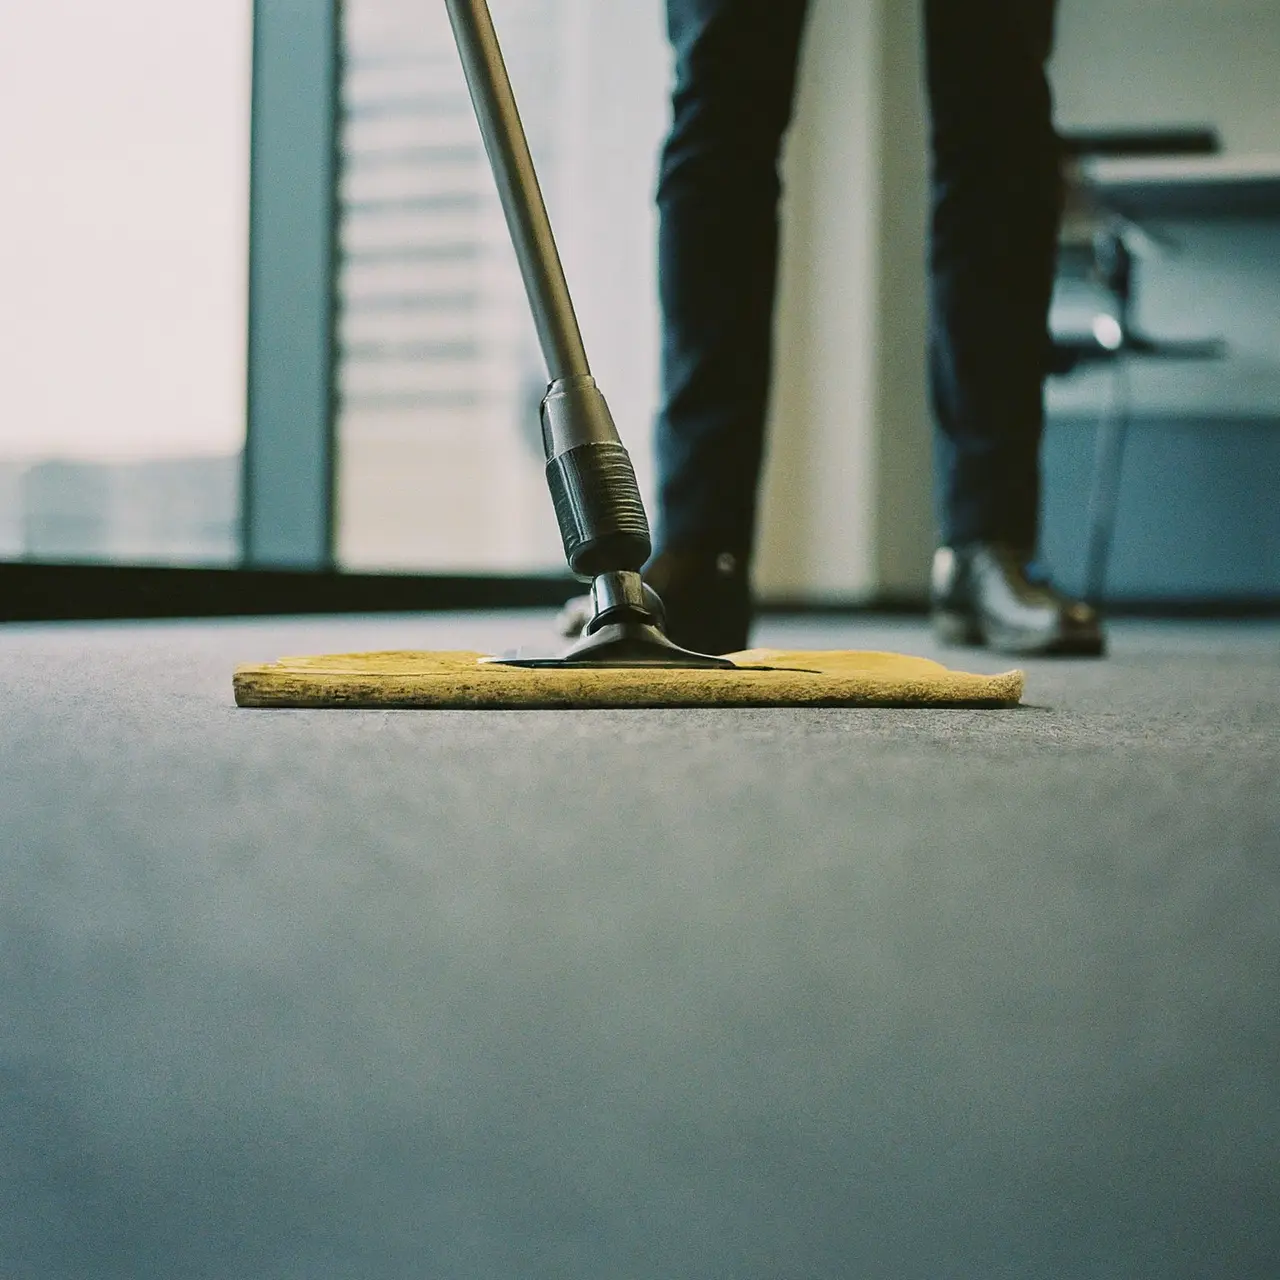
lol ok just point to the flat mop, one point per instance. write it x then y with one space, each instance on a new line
624 657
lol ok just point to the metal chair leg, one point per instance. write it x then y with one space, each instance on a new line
1104 496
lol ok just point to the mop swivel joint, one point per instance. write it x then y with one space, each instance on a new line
628 628
592 481
622 596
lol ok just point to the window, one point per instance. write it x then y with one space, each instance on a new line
124 145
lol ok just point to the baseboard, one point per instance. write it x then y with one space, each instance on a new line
63 592
32 592
1227 607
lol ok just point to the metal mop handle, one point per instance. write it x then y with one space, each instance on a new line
504 140
592 482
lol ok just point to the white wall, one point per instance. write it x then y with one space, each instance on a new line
1137 62
847 503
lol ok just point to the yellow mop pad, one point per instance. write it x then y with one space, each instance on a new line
464 680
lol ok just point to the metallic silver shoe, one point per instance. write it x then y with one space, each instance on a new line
983 594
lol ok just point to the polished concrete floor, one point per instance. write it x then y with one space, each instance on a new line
738 994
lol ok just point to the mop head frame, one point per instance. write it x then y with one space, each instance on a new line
465 680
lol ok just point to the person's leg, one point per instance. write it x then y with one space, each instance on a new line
718 192
996 203
996 197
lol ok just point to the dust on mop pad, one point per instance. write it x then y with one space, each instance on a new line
463 680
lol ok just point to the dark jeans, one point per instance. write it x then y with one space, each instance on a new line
995 202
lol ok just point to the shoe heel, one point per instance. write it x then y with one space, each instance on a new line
956 628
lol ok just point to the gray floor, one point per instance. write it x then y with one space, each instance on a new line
637 994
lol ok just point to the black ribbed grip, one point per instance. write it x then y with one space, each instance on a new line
598 508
